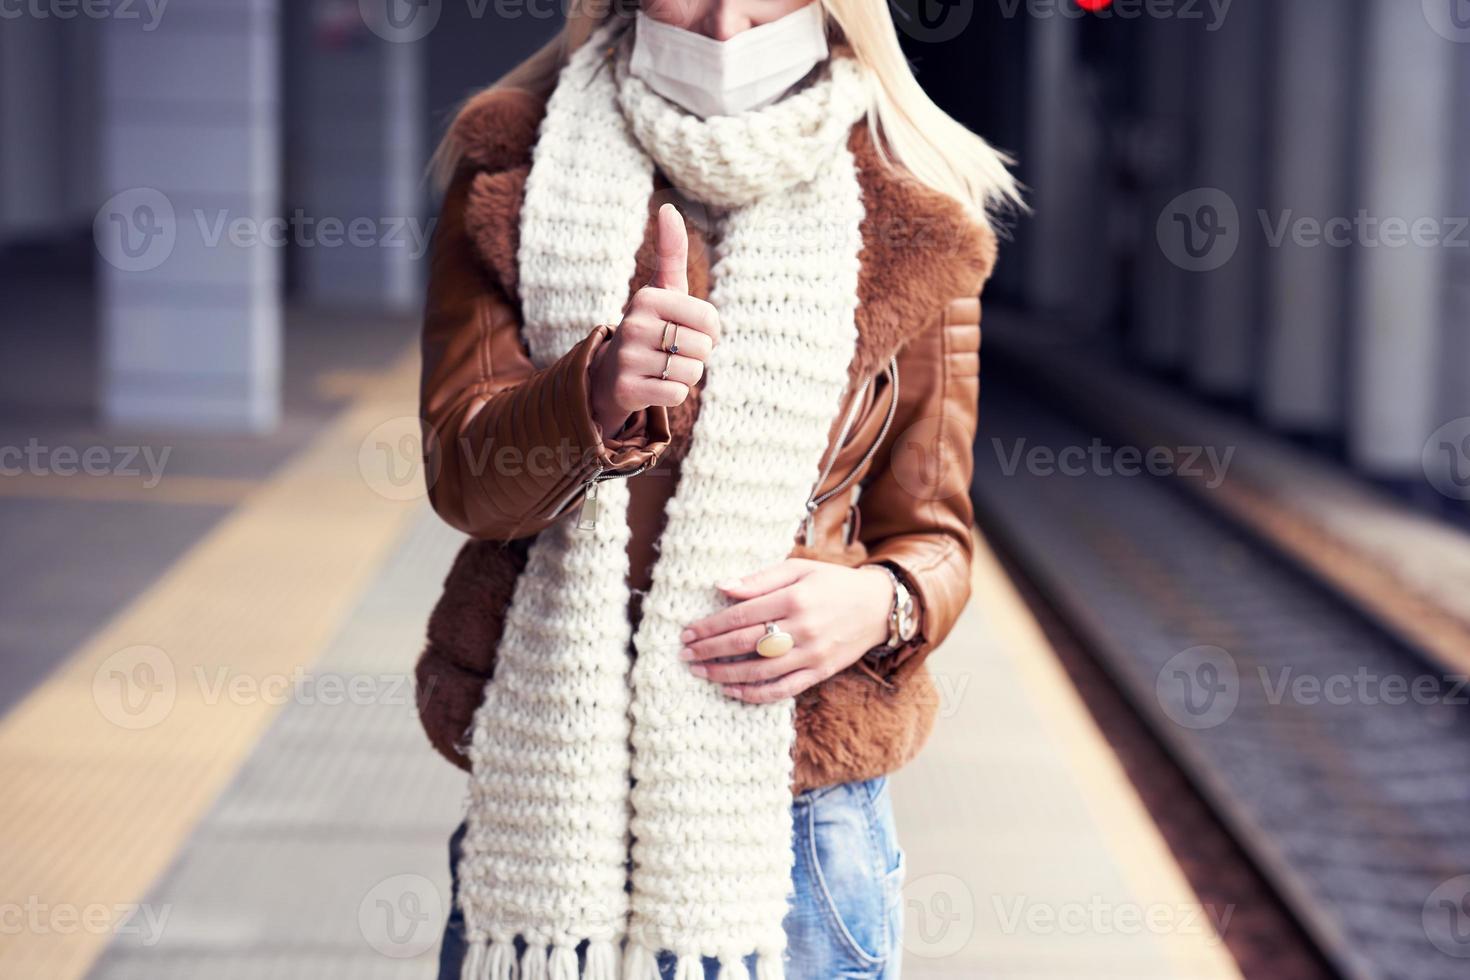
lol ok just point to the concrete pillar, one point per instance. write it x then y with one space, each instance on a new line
1232 116
1164 291
1305 320
360 144
1065 263
32 126
190 285
1407 168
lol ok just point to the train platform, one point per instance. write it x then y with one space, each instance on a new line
1407 569
1287 636
224 776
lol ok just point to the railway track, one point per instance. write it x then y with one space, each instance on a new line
1337 757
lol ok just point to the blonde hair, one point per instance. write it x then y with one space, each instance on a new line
910 132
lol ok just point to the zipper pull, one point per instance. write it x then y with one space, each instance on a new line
587 513
808 525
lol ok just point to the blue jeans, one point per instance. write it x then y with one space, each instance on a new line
846 918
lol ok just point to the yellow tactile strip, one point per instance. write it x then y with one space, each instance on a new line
108 765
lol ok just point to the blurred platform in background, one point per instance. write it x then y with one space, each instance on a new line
236 748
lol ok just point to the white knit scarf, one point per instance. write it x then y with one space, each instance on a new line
557 830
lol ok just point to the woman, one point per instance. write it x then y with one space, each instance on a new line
700 382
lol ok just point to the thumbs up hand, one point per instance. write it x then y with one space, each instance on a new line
659 350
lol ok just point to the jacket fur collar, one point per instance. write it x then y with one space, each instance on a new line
920 249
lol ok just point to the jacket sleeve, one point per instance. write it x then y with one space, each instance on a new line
508 448
916 513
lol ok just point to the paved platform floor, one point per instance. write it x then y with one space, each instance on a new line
226 779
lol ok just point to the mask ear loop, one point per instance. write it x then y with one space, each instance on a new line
612 47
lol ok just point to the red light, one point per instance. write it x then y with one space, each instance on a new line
1093 6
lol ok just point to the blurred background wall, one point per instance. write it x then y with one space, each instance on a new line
1262 201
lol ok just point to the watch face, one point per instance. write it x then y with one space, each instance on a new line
908 623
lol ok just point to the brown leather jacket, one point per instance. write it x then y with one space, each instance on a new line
511 447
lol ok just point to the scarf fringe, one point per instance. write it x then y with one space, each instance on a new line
563 964
496 960
640 963
602 961
533 963
492 960
770 967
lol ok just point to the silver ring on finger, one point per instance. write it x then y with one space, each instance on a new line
668 363
671 338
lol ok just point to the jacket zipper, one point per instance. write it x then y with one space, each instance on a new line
587 515
815 501
573 493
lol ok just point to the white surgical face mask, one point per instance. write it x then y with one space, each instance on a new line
725 78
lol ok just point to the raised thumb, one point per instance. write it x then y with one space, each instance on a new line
672 250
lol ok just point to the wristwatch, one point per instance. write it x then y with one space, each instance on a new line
903 615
